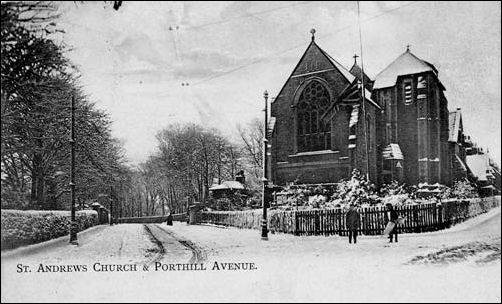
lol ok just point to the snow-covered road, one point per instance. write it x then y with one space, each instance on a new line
458 264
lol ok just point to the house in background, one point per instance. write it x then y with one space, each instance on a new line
483 169
229 188
458 143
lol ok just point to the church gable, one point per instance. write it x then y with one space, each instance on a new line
315 60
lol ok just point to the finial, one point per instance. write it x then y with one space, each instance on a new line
408 47
355 58
265 94
312 31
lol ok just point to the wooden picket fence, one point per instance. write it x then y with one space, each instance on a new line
417 218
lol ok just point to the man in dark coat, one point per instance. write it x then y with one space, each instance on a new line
352 221
391 216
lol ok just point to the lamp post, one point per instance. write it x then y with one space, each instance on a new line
73 224
264 230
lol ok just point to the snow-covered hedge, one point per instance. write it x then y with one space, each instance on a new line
278 220
32 226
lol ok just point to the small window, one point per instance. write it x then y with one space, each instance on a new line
422 83
387 133
408 92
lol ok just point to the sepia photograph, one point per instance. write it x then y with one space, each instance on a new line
251 151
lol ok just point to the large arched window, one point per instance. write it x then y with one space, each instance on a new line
312 133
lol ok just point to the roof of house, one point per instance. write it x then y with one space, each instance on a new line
405 64
392 151
479 165
228 185
454 123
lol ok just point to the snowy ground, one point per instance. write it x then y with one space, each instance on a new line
459 264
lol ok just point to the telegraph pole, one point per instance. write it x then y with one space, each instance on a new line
73 224
264 230
363 94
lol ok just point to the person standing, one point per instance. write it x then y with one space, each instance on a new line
392 217
352 222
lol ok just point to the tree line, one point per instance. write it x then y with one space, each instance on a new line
38 83
189 159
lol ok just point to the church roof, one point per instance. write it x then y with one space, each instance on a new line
405 64
357 71
393 151
454 122
346 73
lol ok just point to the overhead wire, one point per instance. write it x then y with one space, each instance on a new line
273 55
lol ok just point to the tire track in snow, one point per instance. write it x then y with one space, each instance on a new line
161 250
198 255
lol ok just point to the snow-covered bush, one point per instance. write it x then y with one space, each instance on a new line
358 190
461 189
362 193
29 227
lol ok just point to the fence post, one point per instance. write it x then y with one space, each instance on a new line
339 215
295 221
316 222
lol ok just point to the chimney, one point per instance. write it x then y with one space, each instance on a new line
239 177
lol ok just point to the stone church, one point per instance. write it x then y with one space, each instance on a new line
321 129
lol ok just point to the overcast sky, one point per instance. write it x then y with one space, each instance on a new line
230 52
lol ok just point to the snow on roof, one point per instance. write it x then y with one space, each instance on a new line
405 64
454 125
459 160
232 185
357 71
367 95
271 126
392 151
340 67
354 117
478 164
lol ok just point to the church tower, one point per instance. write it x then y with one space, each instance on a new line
414 122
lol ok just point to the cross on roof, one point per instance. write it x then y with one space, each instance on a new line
355 58
408 47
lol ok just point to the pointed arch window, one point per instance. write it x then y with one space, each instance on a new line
312 133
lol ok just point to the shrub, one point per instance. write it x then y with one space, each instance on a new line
461 189
28 227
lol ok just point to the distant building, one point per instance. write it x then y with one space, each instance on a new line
482 169
228 188
319 133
